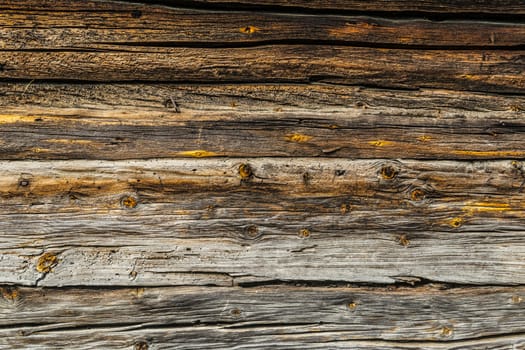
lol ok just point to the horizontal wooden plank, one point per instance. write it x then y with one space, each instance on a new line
97 25
427 313
490 70
215 337
212 221
48 121
511 7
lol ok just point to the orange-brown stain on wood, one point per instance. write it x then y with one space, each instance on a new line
70 141
197 153
299 138
248 29
129 202
456 222
424 138
489 153
352 28
480 207
245 171
46 262
380 143
304 233
403 240
9 293
447 331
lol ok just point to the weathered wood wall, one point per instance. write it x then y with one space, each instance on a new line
215 174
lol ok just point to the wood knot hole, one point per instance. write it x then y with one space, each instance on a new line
404 241
129 202
252 231
248 29
245 172
456 222
136 13
46 262
446 331
388 172
417 194
141 345
304 233
236 312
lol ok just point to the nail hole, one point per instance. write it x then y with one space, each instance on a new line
136 14
304 233
23 183
456 222
446 331
235 312
340 172
248 29
403 240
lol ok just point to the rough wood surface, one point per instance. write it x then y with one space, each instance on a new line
133 222
232 174
358 312
491 70
84 25
106 121
448 7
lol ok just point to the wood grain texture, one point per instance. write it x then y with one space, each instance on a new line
215 337
106 121
437 6
490 70
232 174
98 25
164 222
360 313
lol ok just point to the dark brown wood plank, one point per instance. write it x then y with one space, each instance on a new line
499 71
425 313
98 25
432 6
47 121
135 222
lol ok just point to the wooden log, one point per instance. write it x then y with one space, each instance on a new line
450 7
359 313
215 337
98 25
48 121
489 70
135 223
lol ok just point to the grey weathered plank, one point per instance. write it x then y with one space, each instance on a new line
134 223
216 337
96 25
490 70
394 313
47 121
